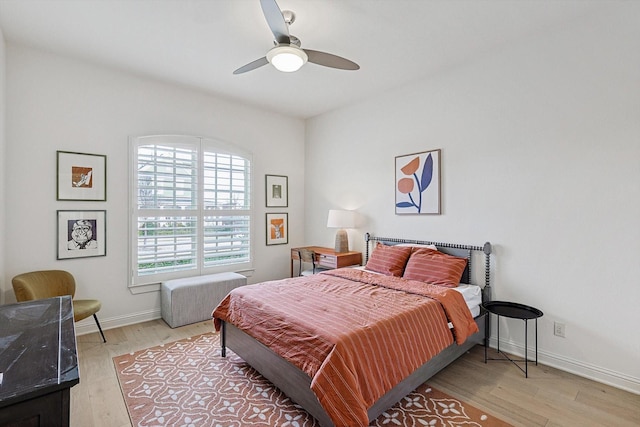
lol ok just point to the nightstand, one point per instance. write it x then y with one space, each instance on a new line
329 258
515 311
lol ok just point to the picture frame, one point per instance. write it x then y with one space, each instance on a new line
277 228
276 191
417 183
81 234
81 176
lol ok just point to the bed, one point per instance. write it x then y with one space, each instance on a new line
310 335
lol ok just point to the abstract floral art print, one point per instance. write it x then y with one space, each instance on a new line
418 183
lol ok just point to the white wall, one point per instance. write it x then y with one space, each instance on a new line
540 155
55 103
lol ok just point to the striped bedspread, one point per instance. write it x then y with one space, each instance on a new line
355 334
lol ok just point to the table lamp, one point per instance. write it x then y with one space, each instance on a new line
341 219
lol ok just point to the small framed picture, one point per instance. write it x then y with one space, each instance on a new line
277 229
277 191
82 234
81 176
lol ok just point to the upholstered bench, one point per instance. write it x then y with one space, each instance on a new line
193 299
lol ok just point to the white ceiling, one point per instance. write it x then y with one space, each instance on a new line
198 43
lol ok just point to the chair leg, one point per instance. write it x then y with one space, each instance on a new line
99 328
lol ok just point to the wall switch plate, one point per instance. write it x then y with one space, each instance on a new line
558 329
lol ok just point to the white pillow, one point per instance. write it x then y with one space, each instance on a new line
415 245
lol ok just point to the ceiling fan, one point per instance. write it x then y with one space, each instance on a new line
287 55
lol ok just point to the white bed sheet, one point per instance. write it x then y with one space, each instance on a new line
472 294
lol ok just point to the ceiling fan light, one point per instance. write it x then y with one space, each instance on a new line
287 58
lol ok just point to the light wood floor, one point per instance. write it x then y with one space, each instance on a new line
549 397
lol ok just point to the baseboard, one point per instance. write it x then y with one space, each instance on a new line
88 325
592 372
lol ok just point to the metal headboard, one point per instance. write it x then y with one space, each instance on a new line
463 251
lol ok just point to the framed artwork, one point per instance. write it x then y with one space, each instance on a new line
82 234
277 229
277 191
418 183
81 176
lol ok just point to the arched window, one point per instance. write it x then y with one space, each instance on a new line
191 208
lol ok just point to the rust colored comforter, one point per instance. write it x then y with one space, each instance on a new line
355 334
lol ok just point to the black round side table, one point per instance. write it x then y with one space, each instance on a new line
515 311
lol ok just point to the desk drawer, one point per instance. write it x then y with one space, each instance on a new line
340 260
327 261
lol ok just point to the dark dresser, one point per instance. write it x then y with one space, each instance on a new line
38 362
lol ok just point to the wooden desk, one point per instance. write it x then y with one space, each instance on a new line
38 361
328 257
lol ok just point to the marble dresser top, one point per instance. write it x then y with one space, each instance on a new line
37 349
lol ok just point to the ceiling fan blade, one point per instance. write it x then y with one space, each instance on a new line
276 21
252 65
329 60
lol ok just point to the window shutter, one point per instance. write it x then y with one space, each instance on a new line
192 208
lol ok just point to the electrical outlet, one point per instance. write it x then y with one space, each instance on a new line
558 329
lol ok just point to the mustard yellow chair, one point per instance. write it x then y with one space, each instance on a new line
55 283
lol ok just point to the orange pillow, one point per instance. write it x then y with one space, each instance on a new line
389 260
434 267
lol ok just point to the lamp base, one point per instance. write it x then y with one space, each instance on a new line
342 241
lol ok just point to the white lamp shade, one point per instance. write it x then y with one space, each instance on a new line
341 219
287 58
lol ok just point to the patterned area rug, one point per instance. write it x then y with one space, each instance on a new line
188 384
